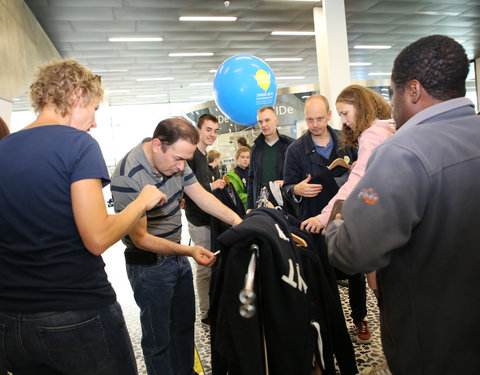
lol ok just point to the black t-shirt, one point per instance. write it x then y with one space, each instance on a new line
199 165
44 265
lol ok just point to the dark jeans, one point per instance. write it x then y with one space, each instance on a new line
93 342
164 293
357 293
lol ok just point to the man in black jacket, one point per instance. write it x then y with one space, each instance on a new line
268 155
309 182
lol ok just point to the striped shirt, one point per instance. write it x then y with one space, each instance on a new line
135 171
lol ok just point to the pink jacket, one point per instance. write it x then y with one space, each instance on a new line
379 131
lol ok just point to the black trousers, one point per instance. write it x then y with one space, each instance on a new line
357 294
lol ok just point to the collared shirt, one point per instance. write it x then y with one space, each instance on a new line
134 172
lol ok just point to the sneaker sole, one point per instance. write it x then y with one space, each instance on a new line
360 341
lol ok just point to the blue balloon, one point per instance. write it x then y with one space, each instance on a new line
243 84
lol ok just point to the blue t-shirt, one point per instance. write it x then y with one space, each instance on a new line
44 265
324 151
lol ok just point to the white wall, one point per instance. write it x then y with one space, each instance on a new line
119 128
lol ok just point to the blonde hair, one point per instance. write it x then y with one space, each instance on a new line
368 106
241 150
4 130
212 155
59 82
320 97
266 108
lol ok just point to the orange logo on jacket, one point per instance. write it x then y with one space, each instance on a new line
368 195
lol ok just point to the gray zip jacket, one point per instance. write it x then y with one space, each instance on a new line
413 217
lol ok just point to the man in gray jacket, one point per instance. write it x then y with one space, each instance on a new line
414 215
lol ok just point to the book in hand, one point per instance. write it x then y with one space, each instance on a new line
337 209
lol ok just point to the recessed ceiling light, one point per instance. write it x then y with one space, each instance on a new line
16 99
283 59
209 19
436 13
151 96
290 78
155 79
379 74
367 46
135 39
201 84
190 54
359 64
293 33
212 71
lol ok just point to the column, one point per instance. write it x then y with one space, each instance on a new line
332 52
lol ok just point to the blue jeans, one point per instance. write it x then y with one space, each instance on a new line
164 293
71 342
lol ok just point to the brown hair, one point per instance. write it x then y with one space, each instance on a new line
59 82
212 155
171 130
205 117
368 106
4 130
240 151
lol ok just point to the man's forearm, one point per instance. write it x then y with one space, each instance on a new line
160 245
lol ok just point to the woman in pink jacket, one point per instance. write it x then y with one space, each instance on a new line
366 119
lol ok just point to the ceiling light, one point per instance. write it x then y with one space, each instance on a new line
359 64
209 19
151 96
135 39
115 91
190 54
201 84
366 46
212 71
290 78
155 79
379 74
437 13
293 33
283 59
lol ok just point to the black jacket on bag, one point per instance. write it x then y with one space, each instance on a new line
284 287
325 302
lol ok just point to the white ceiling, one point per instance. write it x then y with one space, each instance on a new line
80 29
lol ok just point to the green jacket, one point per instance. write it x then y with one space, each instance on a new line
238 185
